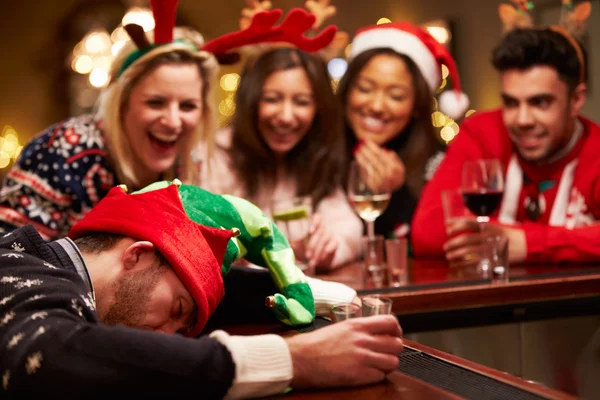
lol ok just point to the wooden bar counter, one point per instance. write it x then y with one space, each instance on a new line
432 288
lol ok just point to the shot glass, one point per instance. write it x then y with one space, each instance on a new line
396 255
341 312
376 305
292 216
495 250
375 272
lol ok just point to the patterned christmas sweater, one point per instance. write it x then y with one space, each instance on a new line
567 190
51 340
61 174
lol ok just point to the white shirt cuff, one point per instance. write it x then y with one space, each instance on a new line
263 364
327 293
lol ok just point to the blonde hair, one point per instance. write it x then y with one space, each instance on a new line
114 99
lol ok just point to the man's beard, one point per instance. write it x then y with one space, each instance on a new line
132 296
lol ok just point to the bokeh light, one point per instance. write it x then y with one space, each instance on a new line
230 82
337 68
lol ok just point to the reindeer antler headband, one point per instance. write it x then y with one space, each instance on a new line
571 25
321 9
261 29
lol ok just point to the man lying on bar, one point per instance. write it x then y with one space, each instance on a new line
121 307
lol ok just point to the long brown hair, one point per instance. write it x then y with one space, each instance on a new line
421 143
316 162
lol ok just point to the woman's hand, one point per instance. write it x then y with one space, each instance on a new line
386 170
322 244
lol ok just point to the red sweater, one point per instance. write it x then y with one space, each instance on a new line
567 229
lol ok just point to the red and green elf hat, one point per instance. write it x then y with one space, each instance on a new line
262 29
195 252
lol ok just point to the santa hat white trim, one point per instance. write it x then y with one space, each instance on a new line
403 43
427 54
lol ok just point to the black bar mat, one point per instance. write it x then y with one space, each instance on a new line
458 380
447 376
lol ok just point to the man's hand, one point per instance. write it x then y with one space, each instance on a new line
386 170
354 352
466 244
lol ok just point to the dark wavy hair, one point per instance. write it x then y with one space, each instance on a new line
422 143
316 162
524 48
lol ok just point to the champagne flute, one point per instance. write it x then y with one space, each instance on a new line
369 203
482 188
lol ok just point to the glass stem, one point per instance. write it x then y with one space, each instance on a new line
482 225
371 230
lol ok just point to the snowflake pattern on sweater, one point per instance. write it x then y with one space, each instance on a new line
59 177
51 340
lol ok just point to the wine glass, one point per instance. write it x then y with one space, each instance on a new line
369 203
482 188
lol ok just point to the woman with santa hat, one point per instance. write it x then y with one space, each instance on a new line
387 96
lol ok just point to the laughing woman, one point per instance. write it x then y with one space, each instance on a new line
387 96
285 141
154 110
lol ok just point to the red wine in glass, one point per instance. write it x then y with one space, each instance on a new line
482 187
482 203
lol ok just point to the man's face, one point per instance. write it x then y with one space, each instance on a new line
538 111
151 298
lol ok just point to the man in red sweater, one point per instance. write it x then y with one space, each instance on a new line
549 153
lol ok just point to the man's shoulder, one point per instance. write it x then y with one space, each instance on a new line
591 127
489 120
24 246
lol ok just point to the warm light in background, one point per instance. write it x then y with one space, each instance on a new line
99 77
448 128
10 148
82 64
347 50
381 21
440 30
469 113
94 54
230 82
140 16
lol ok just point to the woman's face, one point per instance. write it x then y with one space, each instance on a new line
381 100
164 108
286 110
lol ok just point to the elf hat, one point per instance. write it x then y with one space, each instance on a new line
426 52
195 252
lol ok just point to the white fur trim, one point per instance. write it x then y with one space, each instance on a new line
512 190
558 216
404 43
453 104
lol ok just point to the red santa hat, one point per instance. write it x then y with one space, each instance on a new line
195 252
426 52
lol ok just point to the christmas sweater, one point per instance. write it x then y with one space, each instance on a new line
566 192
60 175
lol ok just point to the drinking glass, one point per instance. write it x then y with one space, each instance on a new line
341 312
482 188
369 203
376 304
292 216
375 272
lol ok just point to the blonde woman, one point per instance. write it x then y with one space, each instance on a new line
154 110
